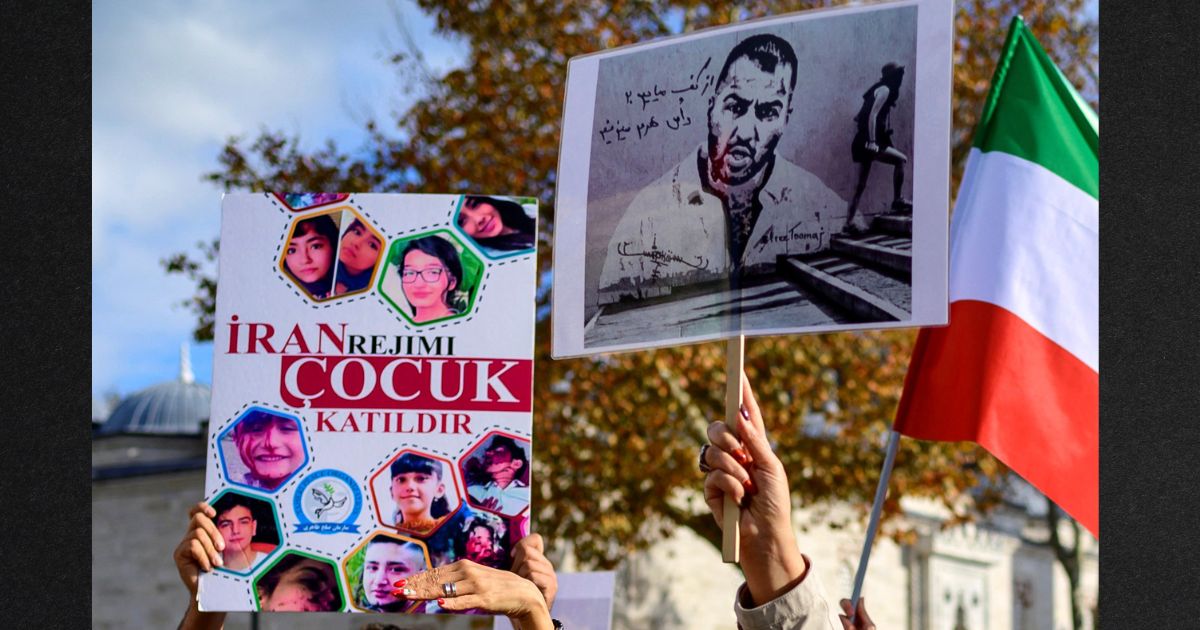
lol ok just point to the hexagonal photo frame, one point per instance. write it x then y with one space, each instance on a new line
495 473
415 492
372 568
479 536
358 256
299 582
250 528
332 254
301 201
263 449
501 227
431 278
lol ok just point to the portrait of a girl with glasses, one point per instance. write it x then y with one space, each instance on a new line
431 275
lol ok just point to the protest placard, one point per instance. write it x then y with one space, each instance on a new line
783 175
372 394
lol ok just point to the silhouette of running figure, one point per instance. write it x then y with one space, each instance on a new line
873 142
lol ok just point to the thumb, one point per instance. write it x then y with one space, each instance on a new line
535 541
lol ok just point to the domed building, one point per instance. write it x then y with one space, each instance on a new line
178 407
158 429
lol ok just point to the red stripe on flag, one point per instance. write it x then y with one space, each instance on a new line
993 379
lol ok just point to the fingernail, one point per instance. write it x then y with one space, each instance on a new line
400 583
745 412
751 489
441 602
408 592
745 428
218 561
397 593
742 457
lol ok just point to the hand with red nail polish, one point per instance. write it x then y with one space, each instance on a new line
746 469
742 457
398 593
485 589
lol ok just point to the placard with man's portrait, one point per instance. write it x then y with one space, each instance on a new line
788 174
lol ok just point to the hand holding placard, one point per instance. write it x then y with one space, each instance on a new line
199 551
769 555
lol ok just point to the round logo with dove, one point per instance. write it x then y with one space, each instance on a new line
327 502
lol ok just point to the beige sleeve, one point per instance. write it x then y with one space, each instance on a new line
805 607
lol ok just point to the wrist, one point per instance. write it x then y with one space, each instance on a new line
536 615
773 570
534 621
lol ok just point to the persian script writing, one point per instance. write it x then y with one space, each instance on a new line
619 131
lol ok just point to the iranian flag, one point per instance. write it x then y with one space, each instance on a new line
1018 368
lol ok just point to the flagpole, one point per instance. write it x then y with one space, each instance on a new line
880 493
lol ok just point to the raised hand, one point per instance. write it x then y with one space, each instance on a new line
744 467
201 547
483 588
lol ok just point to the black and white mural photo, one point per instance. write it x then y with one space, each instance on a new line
759 178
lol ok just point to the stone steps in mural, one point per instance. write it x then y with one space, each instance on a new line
877 249
868 275
866 294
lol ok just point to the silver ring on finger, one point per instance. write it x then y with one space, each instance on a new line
704 467
450 589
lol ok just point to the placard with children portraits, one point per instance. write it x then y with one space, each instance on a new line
364 344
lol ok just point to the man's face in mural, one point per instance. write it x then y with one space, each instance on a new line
746 117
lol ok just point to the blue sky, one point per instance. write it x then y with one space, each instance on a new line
170 82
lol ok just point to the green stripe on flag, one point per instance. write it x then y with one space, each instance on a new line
1034 113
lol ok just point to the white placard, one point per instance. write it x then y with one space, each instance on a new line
706 181
372 394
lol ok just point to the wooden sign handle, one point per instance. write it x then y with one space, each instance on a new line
734 362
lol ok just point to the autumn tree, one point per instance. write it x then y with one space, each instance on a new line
617 436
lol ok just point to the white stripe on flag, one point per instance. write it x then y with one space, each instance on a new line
1025 239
